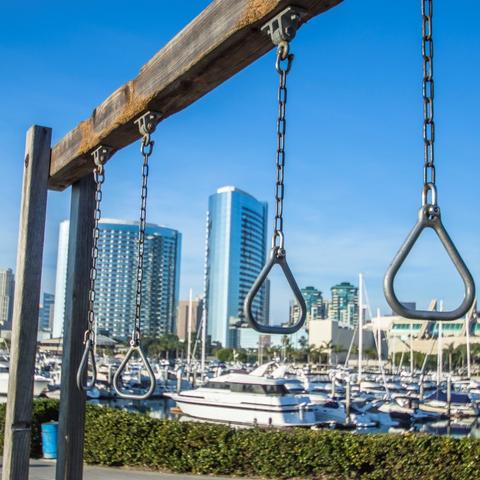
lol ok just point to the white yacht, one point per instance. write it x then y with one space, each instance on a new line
243 399
40 383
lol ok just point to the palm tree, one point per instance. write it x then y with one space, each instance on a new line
336 349
309 350
303 342
450 349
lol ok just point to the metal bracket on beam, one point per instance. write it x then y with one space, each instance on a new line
283 27
102 154
148 122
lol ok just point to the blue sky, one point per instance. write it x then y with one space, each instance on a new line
354 146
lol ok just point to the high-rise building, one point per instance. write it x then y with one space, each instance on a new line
116 277
183 317
45 313
236 253
61 279
316 306
344 305
7 288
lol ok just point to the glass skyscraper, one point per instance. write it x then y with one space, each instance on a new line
116 275
344 305
316 306
236 252
45 313
7 288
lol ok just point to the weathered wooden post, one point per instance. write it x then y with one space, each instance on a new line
72 400
18 420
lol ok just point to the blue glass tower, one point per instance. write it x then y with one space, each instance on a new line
236 252
116 275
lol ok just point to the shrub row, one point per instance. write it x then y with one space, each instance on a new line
115 437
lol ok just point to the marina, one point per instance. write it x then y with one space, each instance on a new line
280 395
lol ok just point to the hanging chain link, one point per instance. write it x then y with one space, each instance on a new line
278 239
99 177
146 148
429 175
100 156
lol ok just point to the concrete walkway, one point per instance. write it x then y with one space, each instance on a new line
45 470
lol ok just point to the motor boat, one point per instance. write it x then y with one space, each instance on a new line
246 399
406 410
40 382
460 404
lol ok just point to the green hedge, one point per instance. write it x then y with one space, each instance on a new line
115 437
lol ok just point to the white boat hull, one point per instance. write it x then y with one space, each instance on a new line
262 415
40 384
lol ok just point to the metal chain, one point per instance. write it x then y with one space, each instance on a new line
146 149
278 239
429 175
99 178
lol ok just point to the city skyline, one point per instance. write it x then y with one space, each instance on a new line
353 184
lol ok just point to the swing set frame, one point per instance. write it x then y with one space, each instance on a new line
223 40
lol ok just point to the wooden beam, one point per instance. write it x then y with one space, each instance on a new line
72 400
16 453
220 42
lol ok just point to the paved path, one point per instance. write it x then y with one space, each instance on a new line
45 470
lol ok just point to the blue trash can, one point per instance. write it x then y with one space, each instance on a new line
49 439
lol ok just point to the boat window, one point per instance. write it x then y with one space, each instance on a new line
275 389
217 385
247 388
331 404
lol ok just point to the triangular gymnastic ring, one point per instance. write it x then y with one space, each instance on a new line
84 383
275 259
427 219
118 375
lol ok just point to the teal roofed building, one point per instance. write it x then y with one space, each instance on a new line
344 305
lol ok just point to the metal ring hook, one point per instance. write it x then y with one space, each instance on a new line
146 146
429 187
118 375
289 59
281 246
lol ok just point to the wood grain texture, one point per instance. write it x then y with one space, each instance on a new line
221 41
72 400
16 452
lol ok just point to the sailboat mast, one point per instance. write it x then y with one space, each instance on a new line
411 348
360 326
440 349
189 328
379 337
470 315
